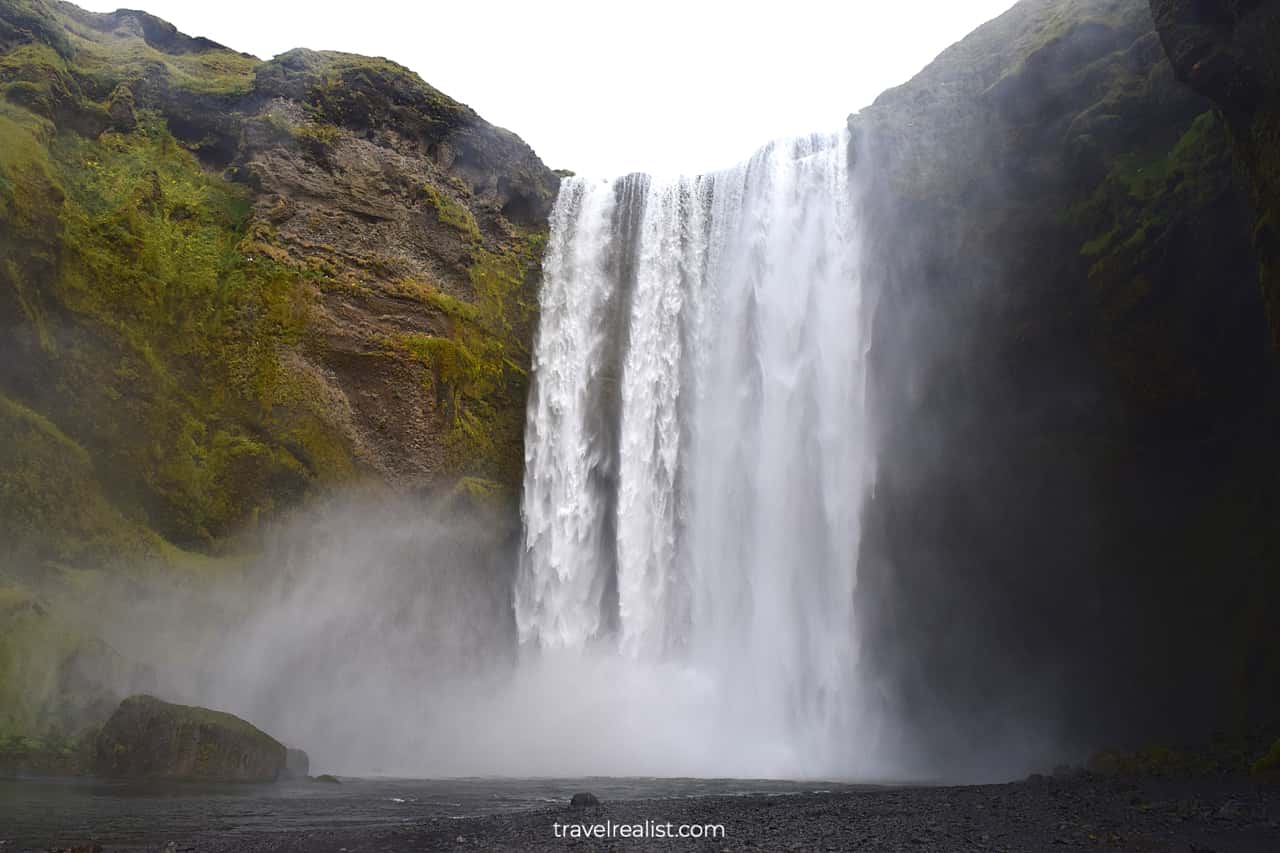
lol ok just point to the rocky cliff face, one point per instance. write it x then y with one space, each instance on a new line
227 285
1071 534
225 281
1229 51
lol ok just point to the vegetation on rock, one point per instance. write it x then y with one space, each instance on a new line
148 738
206 281
1077 478
1229 51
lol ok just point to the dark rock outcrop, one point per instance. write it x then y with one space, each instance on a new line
1069 540
148 738
1229 51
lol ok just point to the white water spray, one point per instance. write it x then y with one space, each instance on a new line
697 447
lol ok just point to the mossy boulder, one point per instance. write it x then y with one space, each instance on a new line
149 738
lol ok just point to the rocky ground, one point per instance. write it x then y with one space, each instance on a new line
1052 814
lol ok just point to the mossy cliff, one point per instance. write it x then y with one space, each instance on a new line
225 281
1229 51
1072 528
228 284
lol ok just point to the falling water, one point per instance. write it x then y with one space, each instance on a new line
697 440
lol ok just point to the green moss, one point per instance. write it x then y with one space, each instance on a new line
51 500
36 77
1269 763
360 92
1123 223
35 647
108 56
319 133
30 20
452 213
451 306
162 401
200 422
316 134
477 370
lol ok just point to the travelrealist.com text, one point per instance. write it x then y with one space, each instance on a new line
646 829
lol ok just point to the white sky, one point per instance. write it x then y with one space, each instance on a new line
605 88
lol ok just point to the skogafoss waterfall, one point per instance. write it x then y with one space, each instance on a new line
697 443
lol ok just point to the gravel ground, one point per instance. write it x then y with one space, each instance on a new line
1052 814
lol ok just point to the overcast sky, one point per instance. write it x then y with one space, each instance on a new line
604 87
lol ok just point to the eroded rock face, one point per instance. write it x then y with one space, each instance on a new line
228 286
1075 392
395 195
1224 49
148 738
356 256
1229 51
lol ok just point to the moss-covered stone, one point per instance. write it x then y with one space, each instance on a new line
451 213
148 738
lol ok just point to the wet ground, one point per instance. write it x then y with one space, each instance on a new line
1055 814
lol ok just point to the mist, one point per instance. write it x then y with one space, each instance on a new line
378 635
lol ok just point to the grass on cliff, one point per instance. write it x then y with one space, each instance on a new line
202 321
1142 191
137 273
477 370
452 213
106 55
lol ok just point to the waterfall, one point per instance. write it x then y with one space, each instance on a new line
696 449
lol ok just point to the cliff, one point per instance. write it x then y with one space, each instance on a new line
1070 538
228 285
1229 51
225 282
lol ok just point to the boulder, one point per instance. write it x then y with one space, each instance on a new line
148 738
584 800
